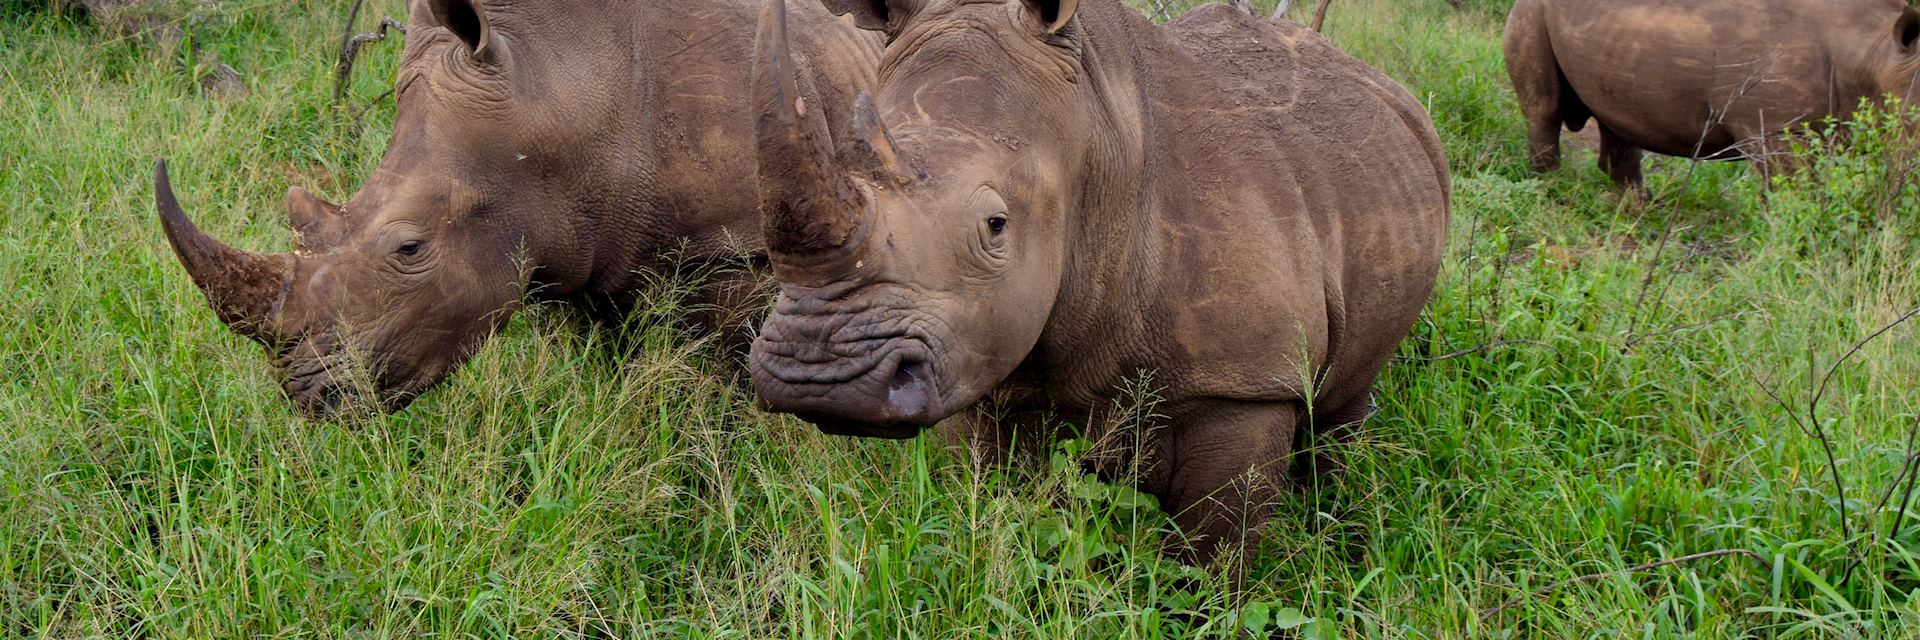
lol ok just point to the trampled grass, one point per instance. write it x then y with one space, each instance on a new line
1589 393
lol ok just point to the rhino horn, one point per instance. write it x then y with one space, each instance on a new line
314 221
871 148
245 289
806 208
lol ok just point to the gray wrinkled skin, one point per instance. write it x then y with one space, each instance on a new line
1044 201
555 150
1715 79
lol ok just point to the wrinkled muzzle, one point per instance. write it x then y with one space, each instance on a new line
864 370
324 382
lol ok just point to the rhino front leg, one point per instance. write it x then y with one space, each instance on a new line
1621 160
1222 469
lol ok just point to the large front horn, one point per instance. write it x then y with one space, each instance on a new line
245 289
806 209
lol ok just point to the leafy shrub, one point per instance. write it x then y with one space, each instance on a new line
1852 178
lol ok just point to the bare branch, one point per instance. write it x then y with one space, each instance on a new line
350 47
1320 16
1862 344
1907 459
1160 7
1906 497
1817 386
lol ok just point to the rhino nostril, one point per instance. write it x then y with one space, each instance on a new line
908 395
905 376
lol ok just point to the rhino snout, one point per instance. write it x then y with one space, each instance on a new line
888 392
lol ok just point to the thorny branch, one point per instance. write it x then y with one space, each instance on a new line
1909 465
350 47
1591 577
1811 426
1906 496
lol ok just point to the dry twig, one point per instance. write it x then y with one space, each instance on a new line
1320 16
350 47
1812 427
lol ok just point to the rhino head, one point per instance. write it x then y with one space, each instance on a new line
1898 72
920 258
392 290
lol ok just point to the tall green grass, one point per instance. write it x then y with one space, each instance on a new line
1589 391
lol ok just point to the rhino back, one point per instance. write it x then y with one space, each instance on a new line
1304 199
1696 77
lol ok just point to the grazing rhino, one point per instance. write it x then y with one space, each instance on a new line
1047 199
556 150
1709 79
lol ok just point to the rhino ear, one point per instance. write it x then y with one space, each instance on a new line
1906 30
468 21
419 13
1055 13
877 15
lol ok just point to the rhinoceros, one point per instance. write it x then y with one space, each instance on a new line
1709 79
1050 201
556 151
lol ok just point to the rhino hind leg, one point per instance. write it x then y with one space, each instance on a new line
1222 468
1545 97
1317 451
1621 160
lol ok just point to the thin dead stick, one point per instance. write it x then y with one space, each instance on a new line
1320 16
1592 577
344 67
1906 467
1813 418
1161 7
1906 497
350 47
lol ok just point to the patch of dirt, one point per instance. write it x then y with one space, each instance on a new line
1588 139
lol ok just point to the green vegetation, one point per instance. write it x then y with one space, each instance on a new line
1589 393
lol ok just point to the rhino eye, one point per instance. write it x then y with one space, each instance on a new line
997 224
410 248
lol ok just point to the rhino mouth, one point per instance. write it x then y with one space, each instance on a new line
309 385
327 384
869 377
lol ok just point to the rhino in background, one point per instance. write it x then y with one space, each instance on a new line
555 149
1709 79
1046 198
